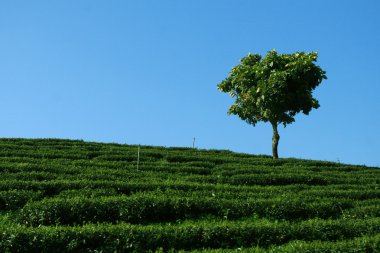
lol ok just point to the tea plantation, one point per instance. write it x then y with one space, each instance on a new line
75 196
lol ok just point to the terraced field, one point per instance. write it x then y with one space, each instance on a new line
75 196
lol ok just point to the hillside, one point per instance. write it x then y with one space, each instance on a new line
75 196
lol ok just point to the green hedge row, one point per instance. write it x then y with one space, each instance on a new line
12 200
153 171
364 209
54 187
369 244
145 208
88 193
187 236
30 176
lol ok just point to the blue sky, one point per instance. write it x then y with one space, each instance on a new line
145 72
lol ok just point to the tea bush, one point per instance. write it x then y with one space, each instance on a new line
75 196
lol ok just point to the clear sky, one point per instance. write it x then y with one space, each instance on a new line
145 72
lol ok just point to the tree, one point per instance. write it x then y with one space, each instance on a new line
273 89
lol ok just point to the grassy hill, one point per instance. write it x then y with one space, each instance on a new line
75 196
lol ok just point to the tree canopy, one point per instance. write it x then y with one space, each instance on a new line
274 88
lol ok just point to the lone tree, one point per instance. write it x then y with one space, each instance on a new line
273 89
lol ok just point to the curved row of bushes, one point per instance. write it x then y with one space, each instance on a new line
146 208
16 199
187 236
360 244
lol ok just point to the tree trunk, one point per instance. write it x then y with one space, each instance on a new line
275 139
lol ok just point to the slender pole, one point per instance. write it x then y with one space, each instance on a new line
138 157
194 142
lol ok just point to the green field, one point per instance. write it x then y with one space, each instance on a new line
75 196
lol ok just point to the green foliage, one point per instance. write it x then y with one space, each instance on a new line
12 200
360 244
275 88
161 207
75 196
125 237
